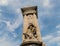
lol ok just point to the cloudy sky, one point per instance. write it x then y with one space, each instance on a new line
11 21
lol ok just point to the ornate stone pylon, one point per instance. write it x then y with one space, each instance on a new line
31 33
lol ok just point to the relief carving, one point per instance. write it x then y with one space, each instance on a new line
31 32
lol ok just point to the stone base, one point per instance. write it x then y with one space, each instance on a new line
32 44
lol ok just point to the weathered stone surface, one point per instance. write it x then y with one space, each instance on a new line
31 32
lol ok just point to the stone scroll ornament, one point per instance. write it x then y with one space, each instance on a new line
31 30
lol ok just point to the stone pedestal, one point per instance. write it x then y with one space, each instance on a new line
32 43
31 33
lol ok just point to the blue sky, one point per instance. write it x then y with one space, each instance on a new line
11 21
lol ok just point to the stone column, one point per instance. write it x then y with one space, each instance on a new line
31 33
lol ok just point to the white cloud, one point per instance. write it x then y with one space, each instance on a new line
5 41
0 10
47 4
15 3
2 39
45 13
0 14
48 37
58 32
8 43
52 38
3 2
58 26
17 23
18 10
58 44
14 35
55 39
